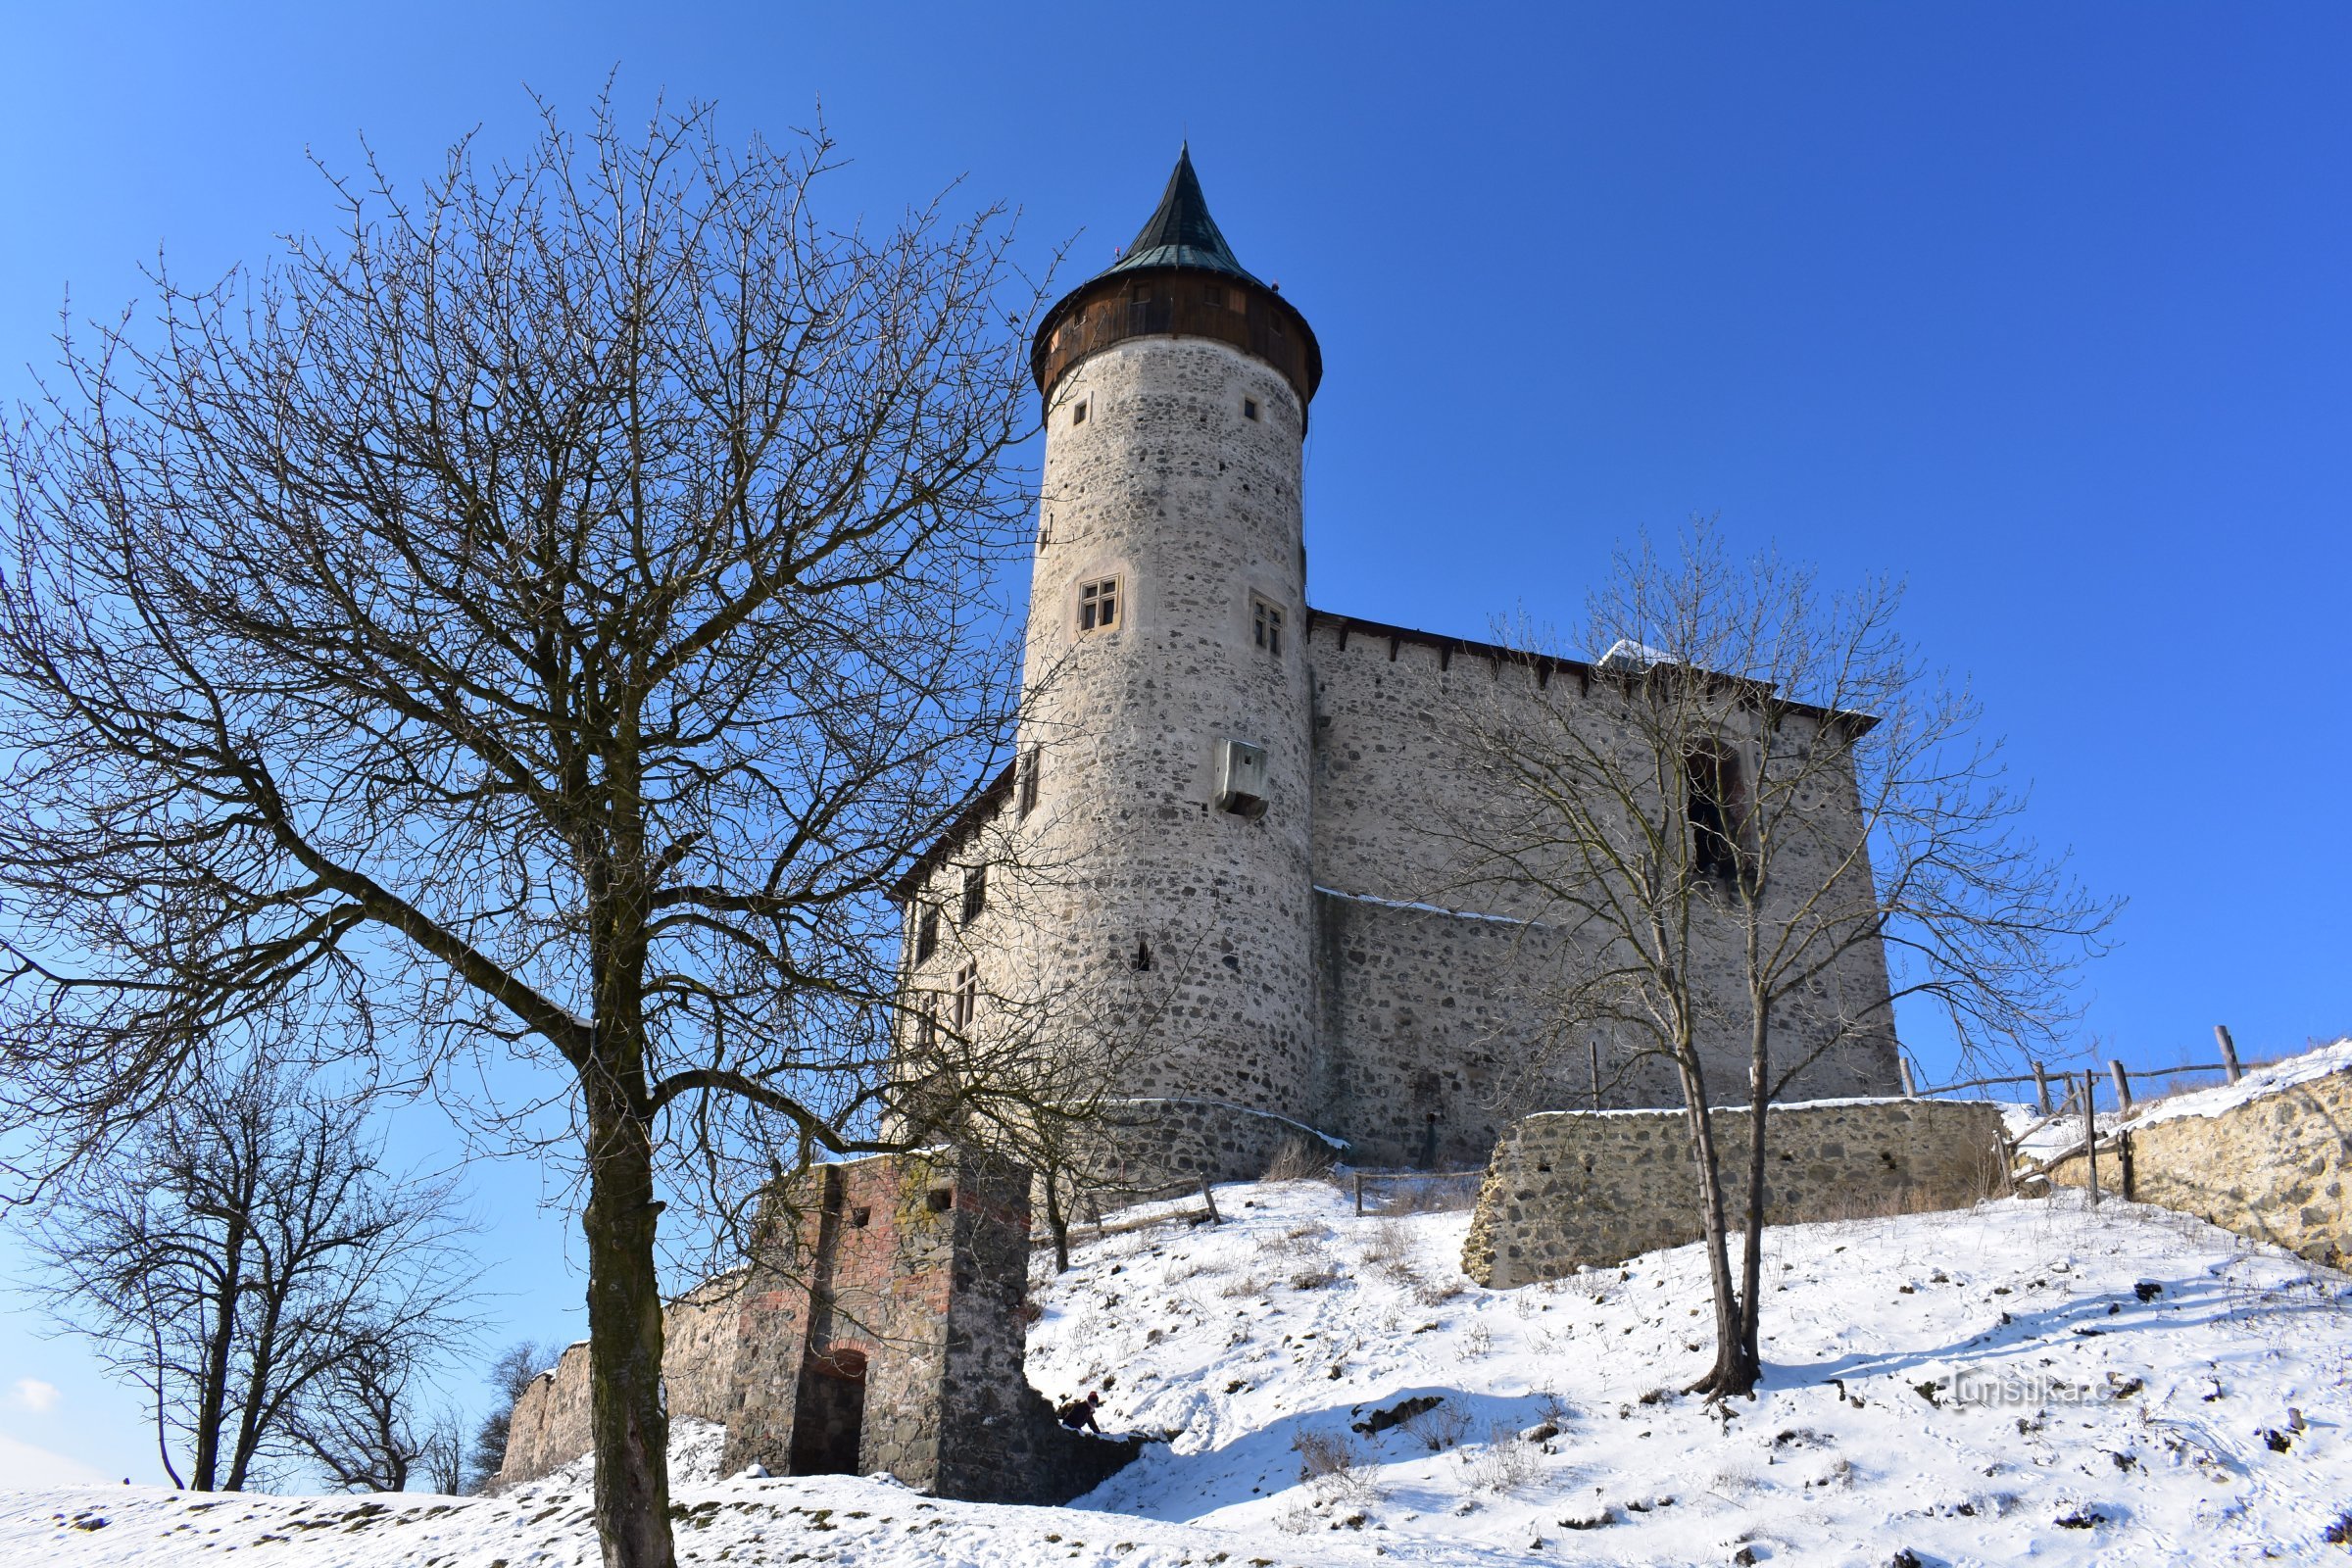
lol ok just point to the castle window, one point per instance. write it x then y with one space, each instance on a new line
1099 604
1265 626
861 1217
1078 414
926 934
926 1020
938 1199
1142 961
1715 807
967 996
1213 294
1249 407
975 892
1029 765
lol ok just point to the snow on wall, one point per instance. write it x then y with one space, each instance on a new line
2266 1157
1572 1188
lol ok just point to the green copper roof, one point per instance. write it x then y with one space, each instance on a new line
1181 234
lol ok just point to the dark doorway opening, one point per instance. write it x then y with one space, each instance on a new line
829 1413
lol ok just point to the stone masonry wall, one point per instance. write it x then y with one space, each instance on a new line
1570 1189
1426 1010
550 1424
878 1328
2276 1168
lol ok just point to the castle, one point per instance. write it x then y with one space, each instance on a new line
1212 859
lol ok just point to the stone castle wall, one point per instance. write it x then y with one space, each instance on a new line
1324 962
2276 1169
878 1328
550 1424
1428 1011
1567 1190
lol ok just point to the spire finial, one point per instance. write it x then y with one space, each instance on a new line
1180 232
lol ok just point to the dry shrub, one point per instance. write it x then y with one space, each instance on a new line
1437 1293
1314 1271
1241 1285
1439 1427
1299 1160
1333 1467
1504 1464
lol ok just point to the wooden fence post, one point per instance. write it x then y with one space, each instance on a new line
2123 1087
1595 1045
2221 1032
2041 1089
2090 1132
1360 1193
1211 1199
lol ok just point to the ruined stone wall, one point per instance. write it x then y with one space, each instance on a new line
550 1424
1572 1188
2276 1168
878 1328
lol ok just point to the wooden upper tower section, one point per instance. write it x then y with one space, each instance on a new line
1178 279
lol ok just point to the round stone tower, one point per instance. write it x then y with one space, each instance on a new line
1165 746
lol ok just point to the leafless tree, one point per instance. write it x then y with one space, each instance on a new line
363 1425
510 1373
541 619
248 1259
1749 808
1026 1049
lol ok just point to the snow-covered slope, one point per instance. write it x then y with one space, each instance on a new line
2028 1380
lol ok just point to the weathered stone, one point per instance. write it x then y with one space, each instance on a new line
879 1327
1575 1189
2271 1168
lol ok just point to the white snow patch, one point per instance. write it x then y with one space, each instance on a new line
2173 1395
1426 908
2256 1082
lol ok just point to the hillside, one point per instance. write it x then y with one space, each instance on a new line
2028 1380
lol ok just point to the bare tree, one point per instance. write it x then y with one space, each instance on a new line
542 619
1750 810
510 1373
362 1424
248 1259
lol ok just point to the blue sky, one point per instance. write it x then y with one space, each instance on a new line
2043 309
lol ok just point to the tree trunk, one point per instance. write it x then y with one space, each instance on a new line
631 1428
1747 1370
212 1401
1712 1215
1057 1221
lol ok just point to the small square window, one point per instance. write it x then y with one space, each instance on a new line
1265 626
1099 604
938 1199
1213 294
1078 414
975 892
926 934
861 1217
1248 408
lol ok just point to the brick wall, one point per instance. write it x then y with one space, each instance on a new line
878 1328
1566 1190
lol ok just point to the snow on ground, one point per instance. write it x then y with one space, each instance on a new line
2257 1081
2031 1379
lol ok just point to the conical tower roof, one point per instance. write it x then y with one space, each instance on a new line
1180 232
